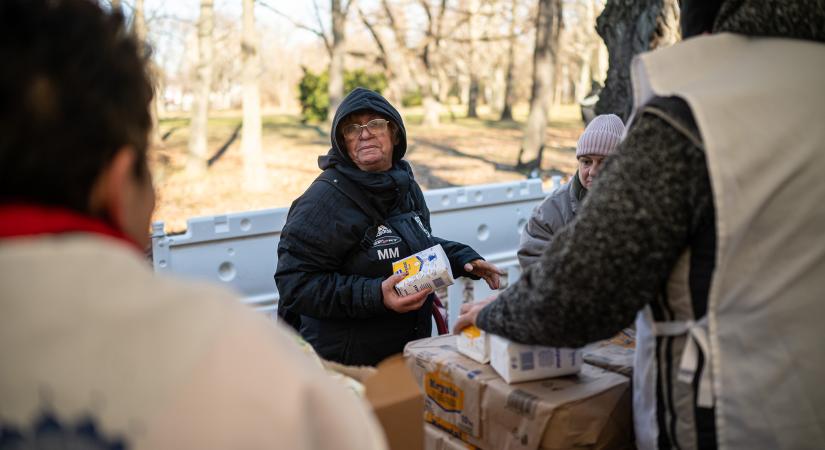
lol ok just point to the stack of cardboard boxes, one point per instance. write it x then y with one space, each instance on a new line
467 404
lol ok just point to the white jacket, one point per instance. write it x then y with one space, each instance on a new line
88 334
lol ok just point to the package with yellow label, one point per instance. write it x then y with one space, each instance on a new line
427 269
474 343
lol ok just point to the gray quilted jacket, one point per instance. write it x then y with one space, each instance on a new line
556 211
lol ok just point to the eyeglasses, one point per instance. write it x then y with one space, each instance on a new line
374 126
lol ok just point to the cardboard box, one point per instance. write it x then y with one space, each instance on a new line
615 354
395 398
516 363
590 410
474 343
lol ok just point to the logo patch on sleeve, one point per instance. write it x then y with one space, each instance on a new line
385 237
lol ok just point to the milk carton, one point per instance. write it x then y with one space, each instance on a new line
518 362
427 269
474 343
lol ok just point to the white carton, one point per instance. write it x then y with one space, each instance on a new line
518 362
427 269
474 343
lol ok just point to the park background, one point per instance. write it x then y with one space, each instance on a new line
490 90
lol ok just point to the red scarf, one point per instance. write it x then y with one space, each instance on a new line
18 220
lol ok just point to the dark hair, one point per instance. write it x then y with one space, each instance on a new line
73 90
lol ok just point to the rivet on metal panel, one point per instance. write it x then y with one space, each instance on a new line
509 192
230 251
221 224
162 263
478 196
246 224
226 271
461 196
445 200
483 232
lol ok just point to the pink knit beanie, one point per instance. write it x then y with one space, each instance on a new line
601 136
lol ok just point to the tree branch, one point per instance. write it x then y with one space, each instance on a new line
321 34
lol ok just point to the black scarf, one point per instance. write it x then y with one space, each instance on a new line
389 189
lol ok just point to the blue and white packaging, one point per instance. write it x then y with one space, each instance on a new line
518 362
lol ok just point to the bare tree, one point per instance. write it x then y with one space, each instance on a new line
197 158
472 30
340 10
630 27
253 161
427 55
548 27
509 78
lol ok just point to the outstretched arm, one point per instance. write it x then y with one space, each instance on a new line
605 266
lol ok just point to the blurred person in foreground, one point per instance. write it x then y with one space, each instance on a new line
599 139
96 351
707 226
362 213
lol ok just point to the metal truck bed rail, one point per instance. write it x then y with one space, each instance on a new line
239 249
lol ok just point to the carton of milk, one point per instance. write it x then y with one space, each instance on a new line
474 343
427 269
518 362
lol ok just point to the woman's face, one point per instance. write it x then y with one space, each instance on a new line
370 151
589 166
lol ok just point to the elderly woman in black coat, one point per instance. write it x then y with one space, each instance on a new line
336 250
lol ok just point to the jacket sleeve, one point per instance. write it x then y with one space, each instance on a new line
599 271
458 253
538 232
320 232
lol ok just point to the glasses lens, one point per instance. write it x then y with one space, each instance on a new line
377 126
351 131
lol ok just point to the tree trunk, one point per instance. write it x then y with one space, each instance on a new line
472 96
196 161
336 60
432 107
254 166
141 32
509 89
630 27
548 24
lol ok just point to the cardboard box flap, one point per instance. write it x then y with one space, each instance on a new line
395 398
392 382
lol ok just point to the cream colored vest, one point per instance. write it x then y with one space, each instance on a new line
759 104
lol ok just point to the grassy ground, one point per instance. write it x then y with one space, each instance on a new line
460 151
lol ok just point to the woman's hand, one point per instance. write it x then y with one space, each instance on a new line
483 269
398 303
469 313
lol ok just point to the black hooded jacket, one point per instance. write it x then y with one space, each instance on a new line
340 239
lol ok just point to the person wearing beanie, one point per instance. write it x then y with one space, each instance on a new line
599 139
705 227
